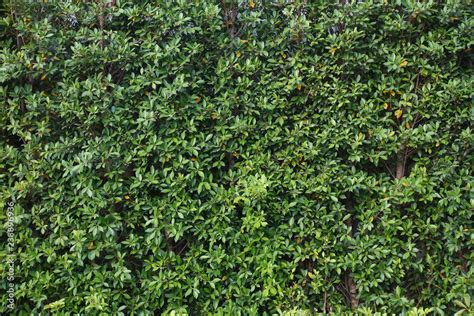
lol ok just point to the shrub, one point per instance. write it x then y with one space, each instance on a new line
193 157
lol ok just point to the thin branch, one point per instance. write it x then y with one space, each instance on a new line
182 249
389 170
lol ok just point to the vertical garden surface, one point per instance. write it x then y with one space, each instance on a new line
237 157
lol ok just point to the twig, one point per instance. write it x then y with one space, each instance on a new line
389 170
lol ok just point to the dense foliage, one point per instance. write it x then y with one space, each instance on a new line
172 157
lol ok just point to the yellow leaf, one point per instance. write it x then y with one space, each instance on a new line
332 50
43 77
90 245
392 93
398 113
404 183
244 41
385 106
403 63
407 125
238 54
126 197
298 87
56 305
251 4
311 275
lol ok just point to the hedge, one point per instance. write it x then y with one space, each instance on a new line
237 157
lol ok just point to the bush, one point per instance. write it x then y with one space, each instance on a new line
193 157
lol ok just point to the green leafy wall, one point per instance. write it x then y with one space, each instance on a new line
238 157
